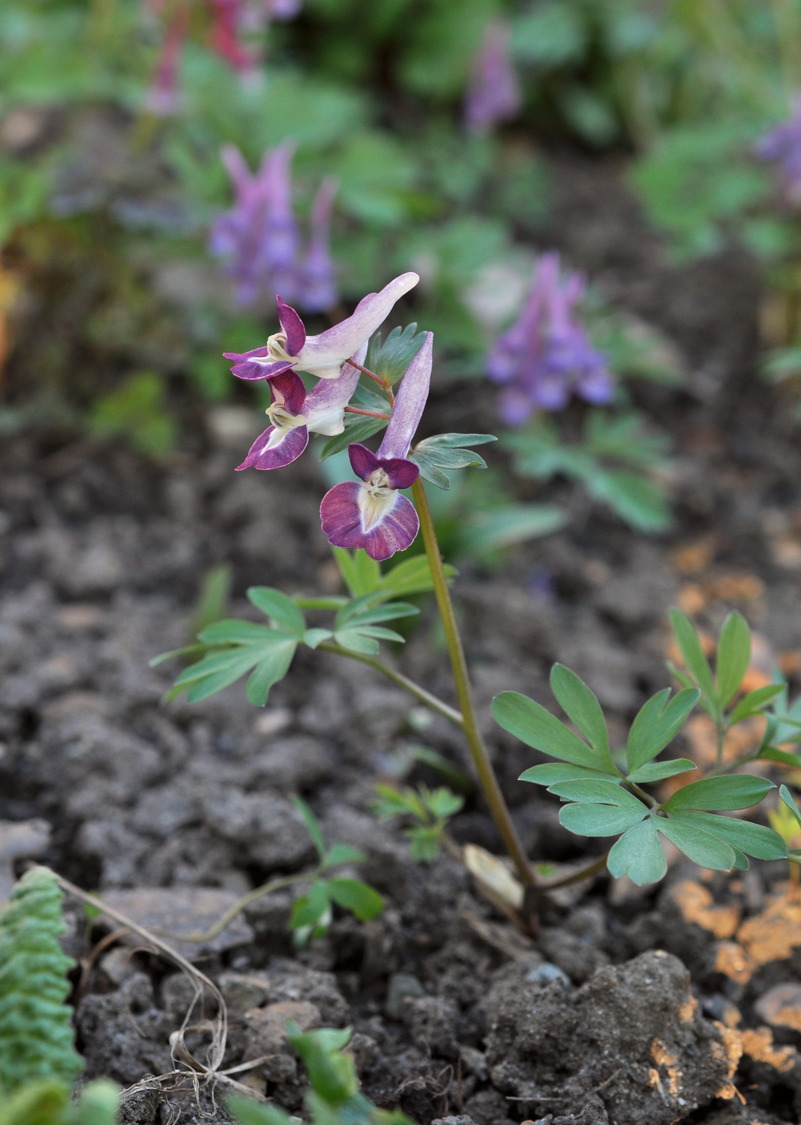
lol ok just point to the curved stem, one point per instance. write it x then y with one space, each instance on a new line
475 743
413 688
583 873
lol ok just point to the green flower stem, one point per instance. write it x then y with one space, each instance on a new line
413 688
475 743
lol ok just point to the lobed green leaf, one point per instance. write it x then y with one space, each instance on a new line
693 655
656 724
733 658
582 707
753 839
280 608
658 771
701 847
600 820
739 791
638 854
538 728
553 772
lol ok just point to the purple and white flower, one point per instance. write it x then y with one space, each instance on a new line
295 413
546 355
324 354
371 513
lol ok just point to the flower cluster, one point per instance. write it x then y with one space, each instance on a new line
228 24
546 356
369 513
493 91
259 241
782 147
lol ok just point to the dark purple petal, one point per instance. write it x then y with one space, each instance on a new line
401 473
287 450
363 461
292 326
341 521
253 371
288 390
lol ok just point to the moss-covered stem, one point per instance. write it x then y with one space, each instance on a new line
475 743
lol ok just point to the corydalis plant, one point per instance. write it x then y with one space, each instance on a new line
259 241
546 356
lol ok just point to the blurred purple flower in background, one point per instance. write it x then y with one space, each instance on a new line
493 92
258 239
546 356
372 514
782 146
317 277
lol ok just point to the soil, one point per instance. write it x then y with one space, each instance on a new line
670 1004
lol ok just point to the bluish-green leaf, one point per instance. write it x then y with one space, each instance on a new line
734 655
216 671
639 854
274 663
755 702
532 724
599 791
701 847
315 637
553 772
358 428
692 653
788 799
740 791
656 724
410 576
582 707
600 820
360 573
277 606
743 835
658 771
235 632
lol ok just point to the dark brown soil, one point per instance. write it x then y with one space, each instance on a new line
630 1007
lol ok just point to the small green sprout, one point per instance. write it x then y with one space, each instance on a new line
430 809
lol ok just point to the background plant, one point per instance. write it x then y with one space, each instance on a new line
39 1063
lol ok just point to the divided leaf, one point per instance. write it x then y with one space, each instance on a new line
436 454
739 791
693 655
698 845
639 854
582 707
656 724
753 839
538 728
734 656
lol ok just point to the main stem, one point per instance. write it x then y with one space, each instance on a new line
475 743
